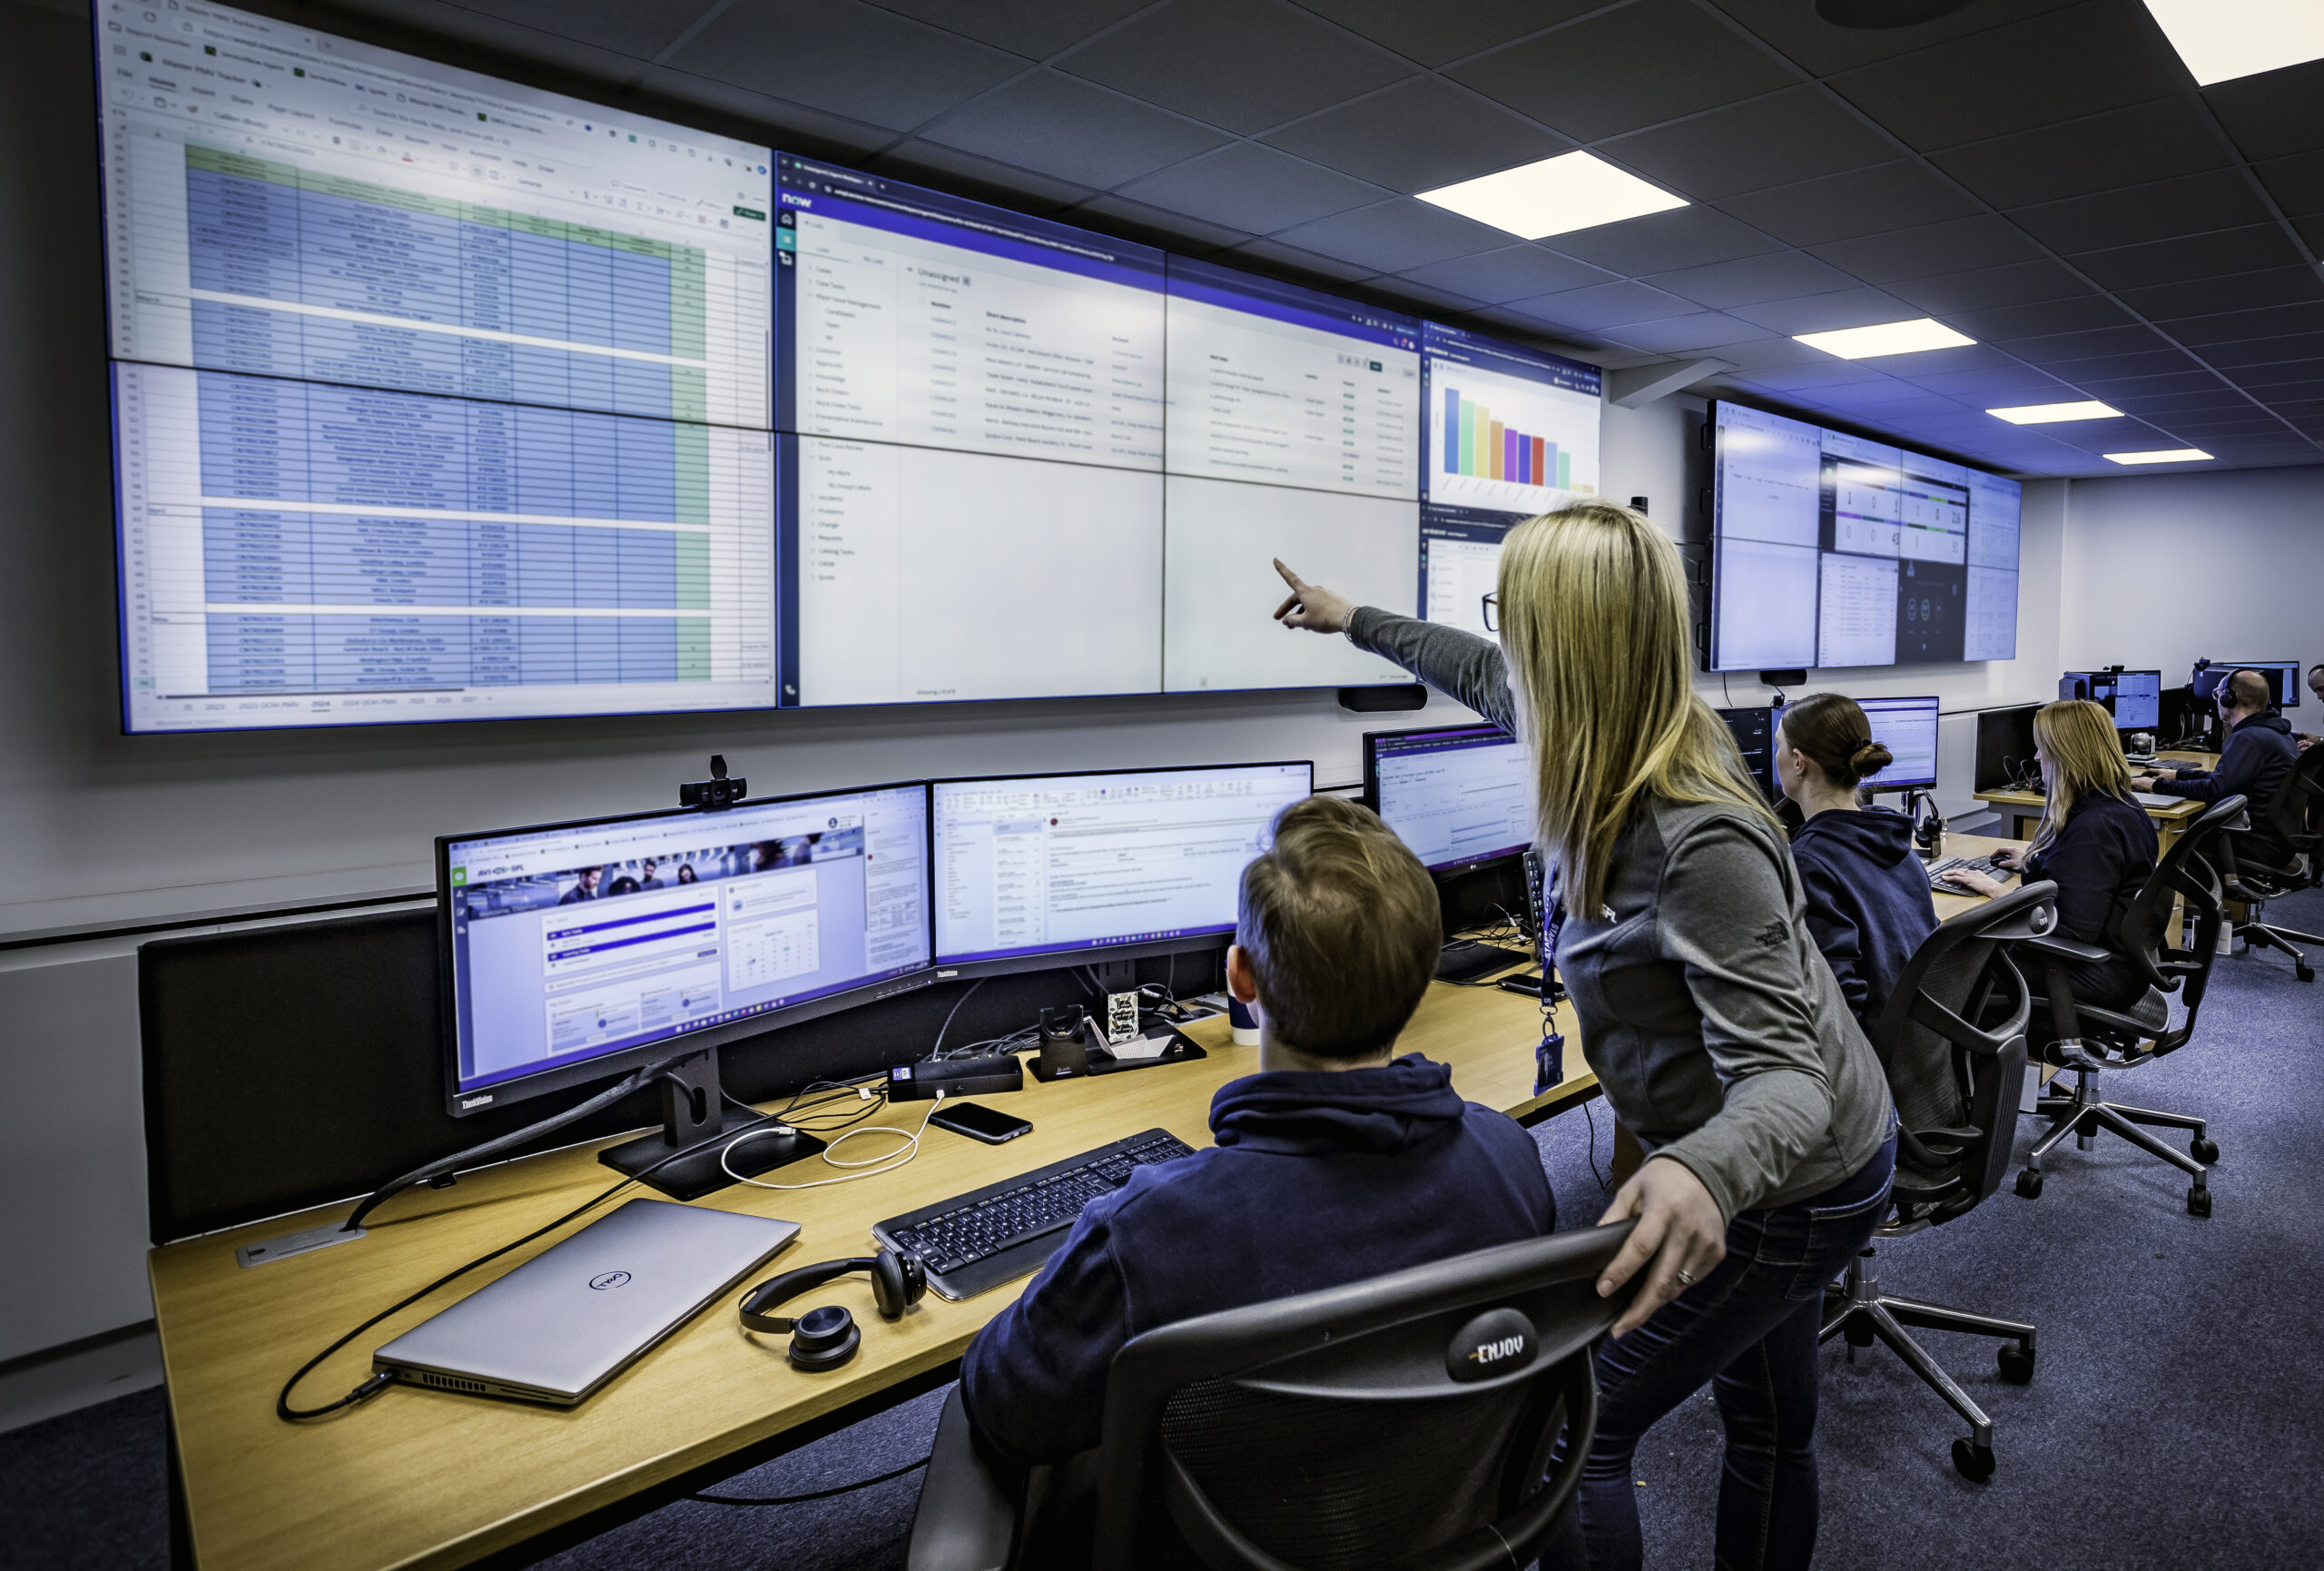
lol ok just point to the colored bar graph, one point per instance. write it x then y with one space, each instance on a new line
1477 445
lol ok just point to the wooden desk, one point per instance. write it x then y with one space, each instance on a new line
2024 810
422 1478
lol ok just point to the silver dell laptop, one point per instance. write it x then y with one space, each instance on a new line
580 1312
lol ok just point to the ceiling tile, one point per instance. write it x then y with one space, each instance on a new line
1418 135
2297 183
1252 188
845 58
2139 363
2291 379
2134 146
1956 245
2009 78
1272 256
1035 29
2273 114
1778 276
1778 139
622 27
1113 138
2191 205
2259 245
966 174
2239 326
1824 313
2080 314
2094 385
2021 284
1823 48
2160 406
1512 273
1843 206
1446 30
758 116
1683 237
1394 236
1990 385
1244 64
1420 300
1702 333
2052 349
1156 226
1772 352
2272 350
1602 307
1592 80
2311 230
2232 291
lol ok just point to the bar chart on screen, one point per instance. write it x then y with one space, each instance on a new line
1508 444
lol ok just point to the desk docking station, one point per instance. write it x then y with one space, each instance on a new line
955 1077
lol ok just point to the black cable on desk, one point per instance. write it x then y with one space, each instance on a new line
803 1500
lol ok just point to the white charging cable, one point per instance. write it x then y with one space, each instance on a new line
873 1166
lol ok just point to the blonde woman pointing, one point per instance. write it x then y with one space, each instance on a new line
1715 1028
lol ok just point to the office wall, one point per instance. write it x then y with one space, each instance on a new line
2162 571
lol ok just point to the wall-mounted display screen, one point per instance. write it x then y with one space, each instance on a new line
1512 432
1829 549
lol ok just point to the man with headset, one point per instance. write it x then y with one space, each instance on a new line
2260 754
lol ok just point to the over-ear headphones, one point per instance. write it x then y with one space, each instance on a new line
827 1336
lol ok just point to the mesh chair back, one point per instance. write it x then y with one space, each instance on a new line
1952 1037
2175 959
2295 814
1407 1422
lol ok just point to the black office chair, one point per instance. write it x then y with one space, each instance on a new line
2089 1041
1953 1039
2256 872
1408 1421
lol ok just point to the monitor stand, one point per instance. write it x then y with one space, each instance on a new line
693 1114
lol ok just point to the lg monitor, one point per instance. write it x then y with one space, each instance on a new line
1035 871
2005 748
2133 697
1458 796
1906 727
2283 679
575 952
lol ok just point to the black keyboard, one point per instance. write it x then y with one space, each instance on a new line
978 1240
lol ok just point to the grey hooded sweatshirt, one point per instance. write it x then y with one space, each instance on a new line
1715 1027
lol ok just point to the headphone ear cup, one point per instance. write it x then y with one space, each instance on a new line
897 1282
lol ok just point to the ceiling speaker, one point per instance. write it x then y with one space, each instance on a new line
1886 13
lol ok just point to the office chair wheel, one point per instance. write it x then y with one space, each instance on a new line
2199 1201
2304 971
2203 1150
2029 1184
2016 1364
1975 1463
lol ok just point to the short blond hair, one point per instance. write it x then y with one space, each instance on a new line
1342 926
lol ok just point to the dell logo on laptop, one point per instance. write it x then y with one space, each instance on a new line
610 1280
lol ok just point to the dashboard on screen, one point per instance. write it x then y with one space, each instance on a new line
435 397
1455 795
1829 549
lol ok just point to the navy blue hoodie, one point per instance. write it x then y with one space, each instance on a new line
1868 904
2101 858
2260 754
1318 1179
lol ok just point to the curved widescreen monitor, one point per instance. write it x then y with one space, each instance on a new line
576 951
1458 796
1040 870
1830 549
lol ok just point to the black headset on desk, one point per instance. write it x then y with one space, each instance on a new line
826 1337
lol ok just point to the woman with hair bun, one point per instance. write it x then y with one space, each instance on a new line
1868 903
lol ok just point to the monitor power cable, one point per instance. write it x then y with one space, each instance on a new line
871 1166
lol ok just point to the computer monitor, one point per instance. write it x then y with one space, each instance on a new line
2283 679
1036 871
1458 796
2004 747
2133 697
1754 729
1905 726
574 951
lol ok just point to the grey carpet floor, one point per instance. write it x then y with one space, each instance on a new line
2176 1418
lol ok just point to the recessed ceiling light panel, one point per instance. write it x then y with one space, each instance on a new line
2051 414
1554 196
2161 456
1885 338
2220 41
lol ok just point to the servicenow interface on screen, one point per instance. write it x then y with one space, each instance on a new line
435 396
1034 865
571 943
1833 551
1455 796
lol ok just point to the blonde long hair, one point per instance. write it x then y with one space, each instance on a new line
1593 608
2084 753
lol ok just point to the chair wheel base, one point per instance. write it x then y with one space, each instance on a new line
2203 1150
2016 1365
1972 1462
2029 1184
2199 1201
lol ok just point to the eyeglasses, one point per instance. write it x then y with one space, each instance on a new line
1492 613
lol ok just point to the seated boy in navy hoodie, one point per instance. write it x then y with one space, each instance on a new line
1333 1164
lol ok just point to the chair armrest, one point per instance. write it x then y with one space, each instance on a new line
969 1504
2051 946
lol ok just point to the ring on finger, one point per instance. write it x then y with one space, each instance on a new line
1686 1278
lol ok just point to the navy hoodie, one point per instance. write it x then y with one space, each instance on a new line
2260 754
1868 905
1318 1179
2100 860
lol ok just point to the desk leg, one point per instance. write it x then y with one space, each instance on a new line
181 1527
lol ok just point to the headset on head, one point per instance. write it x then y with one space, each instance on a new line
826 1337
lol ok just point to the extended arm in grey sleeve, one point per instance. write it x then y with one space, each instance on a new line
1460 665
1724 915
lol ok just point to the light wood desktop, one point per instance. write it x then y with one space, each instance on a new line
422 1478
2024 809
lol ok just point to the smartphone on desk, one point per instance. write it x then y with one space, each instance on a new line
979 1122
